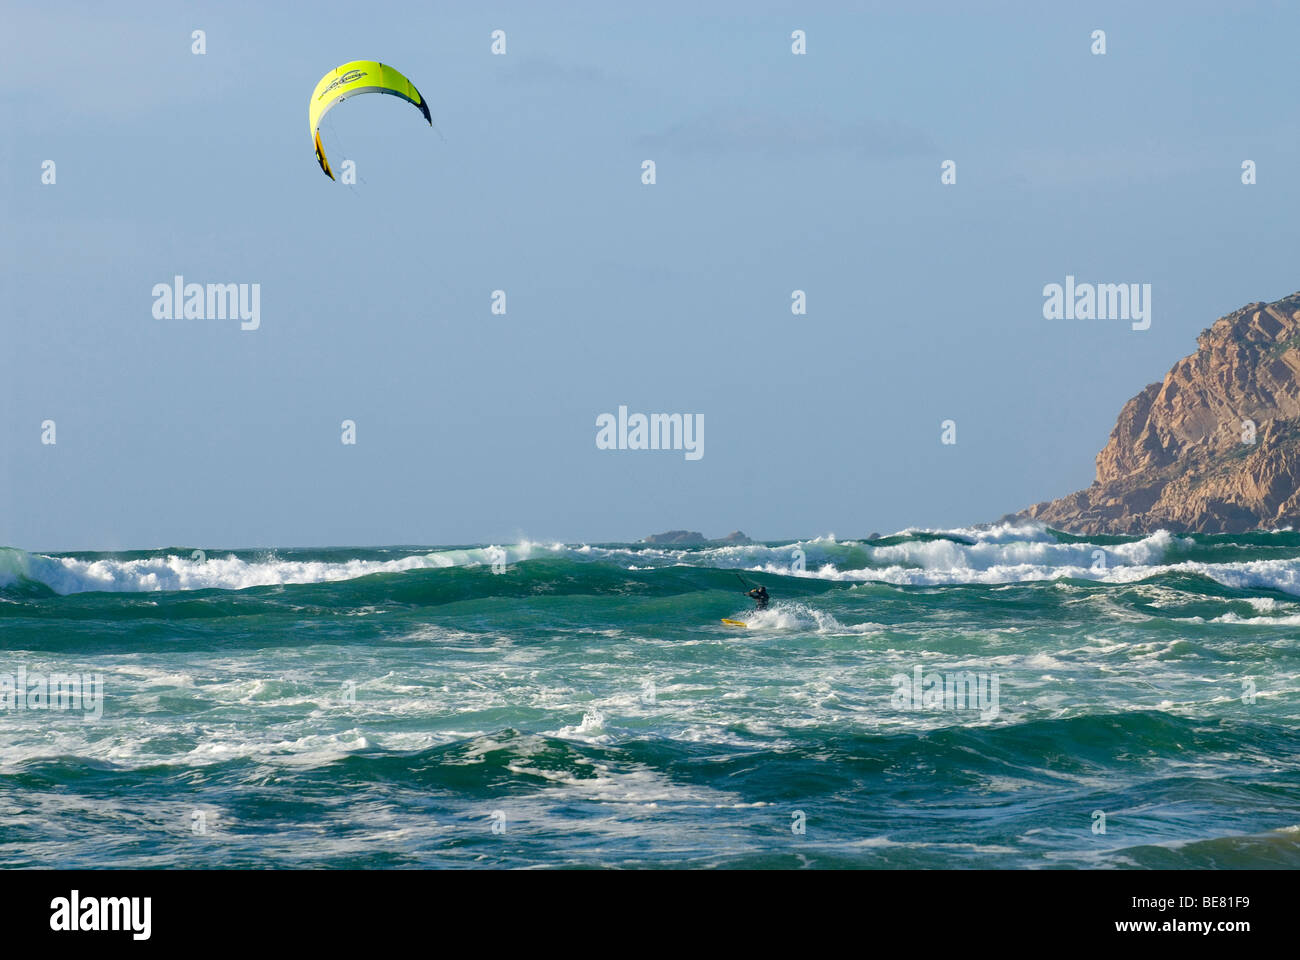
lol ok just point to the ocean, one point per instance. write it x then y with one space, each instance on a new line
1003 696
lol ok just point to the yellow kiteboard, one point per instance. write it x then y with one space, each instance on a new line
734 623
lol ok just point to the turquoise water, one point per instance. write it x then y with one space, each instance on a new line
583 705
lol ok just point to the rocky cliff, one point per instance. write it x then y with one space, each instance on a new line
1213 448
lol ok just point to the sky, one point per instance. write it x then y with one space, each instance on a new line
774 172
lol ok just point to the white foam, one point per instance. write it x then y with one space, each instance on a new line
800 616
998 554
66 575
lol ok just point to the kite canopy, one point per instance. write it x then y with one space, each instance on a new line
358 76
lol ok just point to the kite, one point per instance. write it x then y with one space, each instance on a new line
358 76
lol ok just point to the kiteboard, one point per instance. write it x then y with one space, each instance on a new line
734 623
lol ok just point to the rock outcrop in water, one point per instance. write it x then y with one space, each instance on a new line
682 537
688 538
1214 448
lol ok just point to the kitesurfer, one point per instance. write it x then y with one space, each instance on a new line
759 596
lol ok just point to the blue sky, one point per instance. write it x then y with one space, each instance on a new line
775 172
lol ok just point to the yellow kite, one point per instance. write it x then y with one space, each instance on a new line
359 76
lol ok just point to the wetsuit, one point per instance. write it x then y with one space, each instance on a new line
759 596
